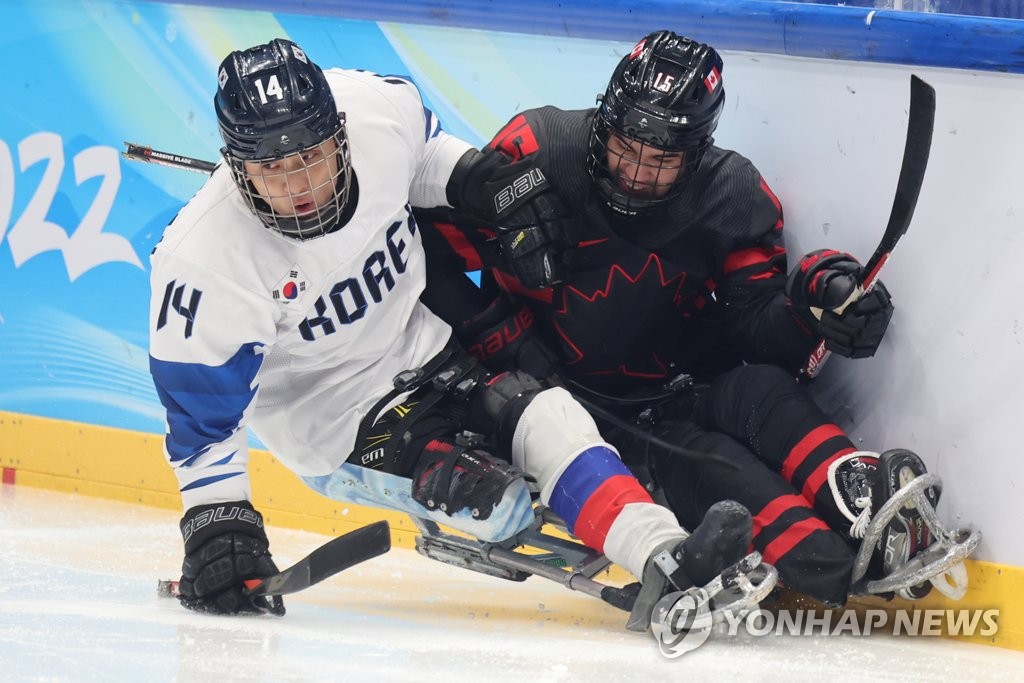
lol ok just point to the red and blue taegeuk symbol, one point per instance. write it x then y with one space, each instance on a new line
290 290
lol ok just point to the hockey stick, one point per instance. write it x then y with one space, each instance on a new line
334 556
136 152
908 188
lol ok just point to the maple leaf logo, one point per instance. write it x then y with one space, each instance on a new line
591 314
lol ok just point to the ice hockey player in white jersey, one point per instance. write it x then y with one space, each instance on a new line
286 298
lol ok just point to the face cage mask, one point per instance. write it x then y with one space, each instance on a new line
299 185
628 202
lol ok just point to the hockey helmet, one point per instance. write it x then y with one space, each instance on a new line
661 107
284 139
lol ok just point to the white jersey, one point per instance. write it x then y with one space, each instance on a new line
297 339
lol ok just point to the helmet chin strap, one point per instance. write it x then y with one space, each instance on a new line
628 205
622 203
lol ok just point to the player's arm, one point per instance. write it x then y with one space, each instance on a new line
205 353
777 317
752 281
506 185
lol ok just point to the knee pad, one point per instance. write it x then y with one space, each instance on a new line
505 399
551 432
745 396
759 382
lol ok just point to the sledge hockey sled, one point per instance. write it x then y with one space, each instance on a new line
738 588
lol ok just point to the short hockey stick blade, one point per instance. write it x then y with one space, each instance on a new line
334 556
920 124
136 152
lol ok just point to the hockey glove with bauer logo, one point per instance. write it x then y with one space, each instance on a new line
503 337
225 545
532 223
825 291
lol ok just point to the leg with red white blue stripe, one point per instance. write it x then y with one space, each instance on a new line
583 480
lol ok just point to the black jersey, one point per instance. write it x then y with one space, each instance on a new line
695 285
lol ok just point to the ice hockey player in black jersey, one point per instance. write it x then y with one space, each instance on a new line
633 261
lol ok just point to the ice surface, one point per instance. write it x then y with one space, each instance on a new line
78 603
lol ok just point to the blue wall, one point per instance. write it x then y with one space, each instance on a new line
802 29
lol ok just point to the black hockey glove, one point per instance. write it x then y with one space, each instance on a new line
503 337
532 223
225 544
824 290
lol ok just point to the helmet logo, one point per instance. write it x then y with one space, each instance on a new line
663 82
285 140
299 54
637 49
713 79
222 77
643 122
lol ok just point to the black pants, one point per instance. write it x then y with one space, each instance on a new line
772 447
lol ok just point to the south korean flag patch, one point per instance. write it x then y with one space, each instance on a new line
290 288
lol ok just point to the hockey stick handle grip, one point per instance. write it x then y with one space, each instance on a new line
820 354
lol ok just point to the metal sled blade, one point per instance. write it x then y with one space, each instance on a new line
460 552
941 564
573 565
735 592
949 549
566 562
738 589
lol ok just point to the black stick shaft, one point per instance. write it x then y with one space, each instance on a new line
920 125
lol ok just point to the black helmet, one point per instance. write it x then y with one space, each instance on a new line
667 93
273 102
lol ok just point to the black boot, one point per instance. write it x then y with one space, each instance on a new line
906 534
719 541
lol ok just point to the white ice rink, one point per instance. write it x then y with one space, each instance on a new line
78 603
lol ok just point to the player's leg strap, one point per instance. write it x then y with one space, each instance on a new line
390 439
453 475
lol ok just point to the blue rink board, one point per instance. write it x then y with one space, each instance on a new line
859 33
